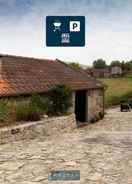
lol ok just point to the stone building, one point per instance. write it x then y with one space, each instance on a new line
24 76
116 71
98 73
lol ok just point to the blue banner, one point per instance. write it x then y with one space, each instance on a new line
65 31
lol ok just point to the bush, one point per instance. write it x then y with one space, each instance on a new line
101 115
116 100
60 97
27 112
4 111
58 103
40 102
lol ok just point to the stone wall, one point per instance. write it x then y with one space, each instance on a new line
95 104
45 127
72 108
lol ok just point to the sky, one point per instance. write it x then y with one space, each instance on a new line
108 29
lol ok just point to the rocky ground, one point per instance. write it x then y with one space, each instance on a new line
101 151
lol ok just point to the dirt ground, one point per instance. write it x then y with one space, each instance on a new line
101 151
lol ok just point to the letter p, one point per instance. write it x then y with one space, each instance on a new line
74 26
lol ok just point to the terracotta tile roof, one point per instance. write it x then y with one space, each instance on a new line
21 75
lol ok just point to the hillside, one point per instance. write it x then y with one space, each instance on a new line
118 89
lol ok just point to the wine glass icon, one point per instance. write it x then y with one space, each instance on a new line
57 25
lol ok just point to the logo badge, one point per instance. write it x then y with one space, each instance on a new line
65 31
64 175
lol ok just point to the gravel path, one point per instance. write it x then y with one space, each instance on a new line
101 151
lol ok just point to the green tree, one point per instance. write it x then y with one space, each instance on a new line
115 63
60 97
129 65
75 66
99 64
126 66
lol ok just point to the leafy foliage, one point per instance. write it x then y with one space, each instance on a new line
32 109
4 111
40 102
27 112
75 66
60 97
115 63
99 64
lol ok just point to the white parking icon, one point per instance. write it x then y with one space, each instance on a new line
74 26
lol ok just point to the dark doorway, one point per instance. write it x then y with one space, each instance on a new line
80 105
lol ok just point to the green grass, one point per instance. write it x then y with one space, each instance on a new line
118 89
